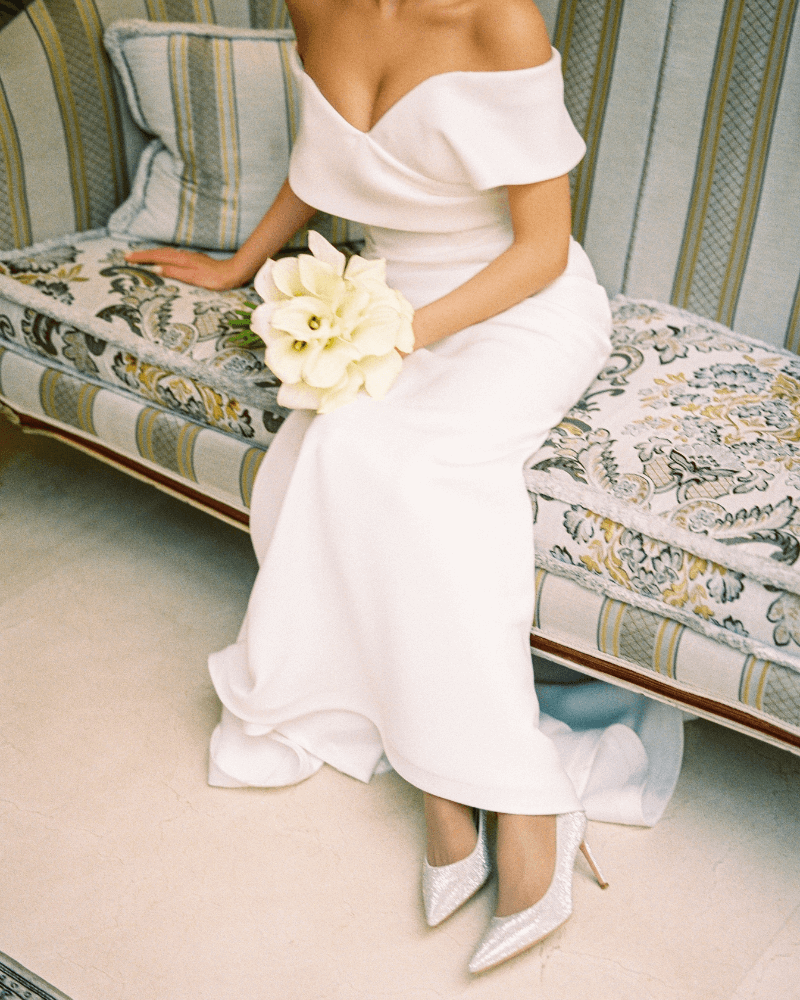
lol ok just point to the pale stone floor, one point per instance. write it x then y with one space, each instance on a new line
123 876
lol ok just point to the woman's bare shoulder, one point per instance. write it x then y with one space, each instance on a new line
304 13
511 34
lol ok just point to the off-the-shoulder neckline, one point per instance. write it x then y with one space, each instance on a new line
488 73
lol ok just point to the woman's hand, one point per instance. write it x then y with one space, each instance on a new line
285 216
191 267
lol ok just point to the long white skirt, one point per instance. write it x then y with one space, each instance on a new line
391 614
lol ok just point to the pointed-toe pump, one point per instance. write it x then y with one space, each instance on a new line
446 887
508 936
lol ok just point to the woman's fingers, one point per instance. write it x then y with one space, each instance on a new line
188 266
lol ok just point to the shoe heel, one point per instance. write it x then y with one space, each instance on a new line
593 865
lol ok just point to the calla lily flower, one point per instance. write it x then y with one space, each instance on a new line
345 391
380 372
288 357
299 396
331 326
324 368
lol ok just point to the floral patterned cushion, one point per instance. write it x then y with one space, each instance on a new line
673 484
78 304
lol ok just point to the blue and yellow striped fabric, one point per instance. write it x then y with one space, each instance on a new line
68 146
220 467
221 102
688 192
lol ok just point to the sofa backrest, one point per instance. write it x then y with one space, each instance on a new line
689 192
69 145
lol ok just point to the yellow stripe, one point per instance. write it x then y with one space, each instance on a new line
608 627
54 52
584 175
190 140
747 676
185 450
762 683
86 399
539 579
144 432
746 693
792 339
672 651
218 57
229 132
12 157
179 70
278 16
157 10
288 84
94 32
622 608
564 29
602 621
709 147
47 387
251 462
665 653
203 12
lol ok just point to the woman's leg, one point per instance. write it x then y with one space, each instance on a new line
526 849
450 829
526 860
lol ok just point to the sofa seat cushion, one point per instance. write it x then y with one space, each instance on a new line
202 465
666 657
81 307
672 486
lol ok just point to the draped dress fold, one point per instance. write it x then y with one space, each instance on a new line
389 622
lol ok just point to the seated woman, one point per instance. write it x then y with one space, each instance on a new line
391 614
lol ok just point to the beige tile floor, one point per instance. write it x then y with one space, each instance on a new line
123 876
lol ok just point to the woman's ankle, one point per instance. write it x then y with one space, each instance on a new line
526 859
451 833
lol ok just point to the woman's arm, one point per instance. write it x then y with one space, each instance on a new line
540 214
285 216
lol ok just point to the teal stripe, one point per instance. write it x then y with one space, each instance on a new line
792 339
740 112
587 34
15 228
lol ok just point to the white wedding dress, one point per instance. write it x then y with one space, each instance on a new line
390 618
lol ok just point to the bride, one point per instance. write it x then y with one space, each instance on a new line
390 618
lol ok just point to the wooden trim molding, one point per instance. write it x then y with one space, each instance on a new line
696 702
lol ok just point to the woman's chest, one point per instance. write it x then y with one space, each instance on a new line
364 63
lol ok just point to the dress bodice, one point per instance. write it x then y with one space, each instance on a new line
439 159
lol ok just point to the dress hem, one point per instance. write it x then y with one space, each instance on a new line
494 800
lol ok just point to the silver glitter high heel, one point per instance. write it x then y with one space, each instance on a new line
446 887
508 936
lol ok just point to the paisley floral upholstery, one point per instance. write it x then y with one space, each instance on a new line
78 304
673 485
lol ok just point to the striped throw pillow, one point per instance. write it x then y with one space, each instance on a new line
222 107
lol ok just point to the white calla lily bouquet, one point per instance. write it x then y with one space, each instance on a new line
331 326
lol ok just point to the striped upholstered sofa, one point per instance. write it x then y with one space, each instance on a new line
667 502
